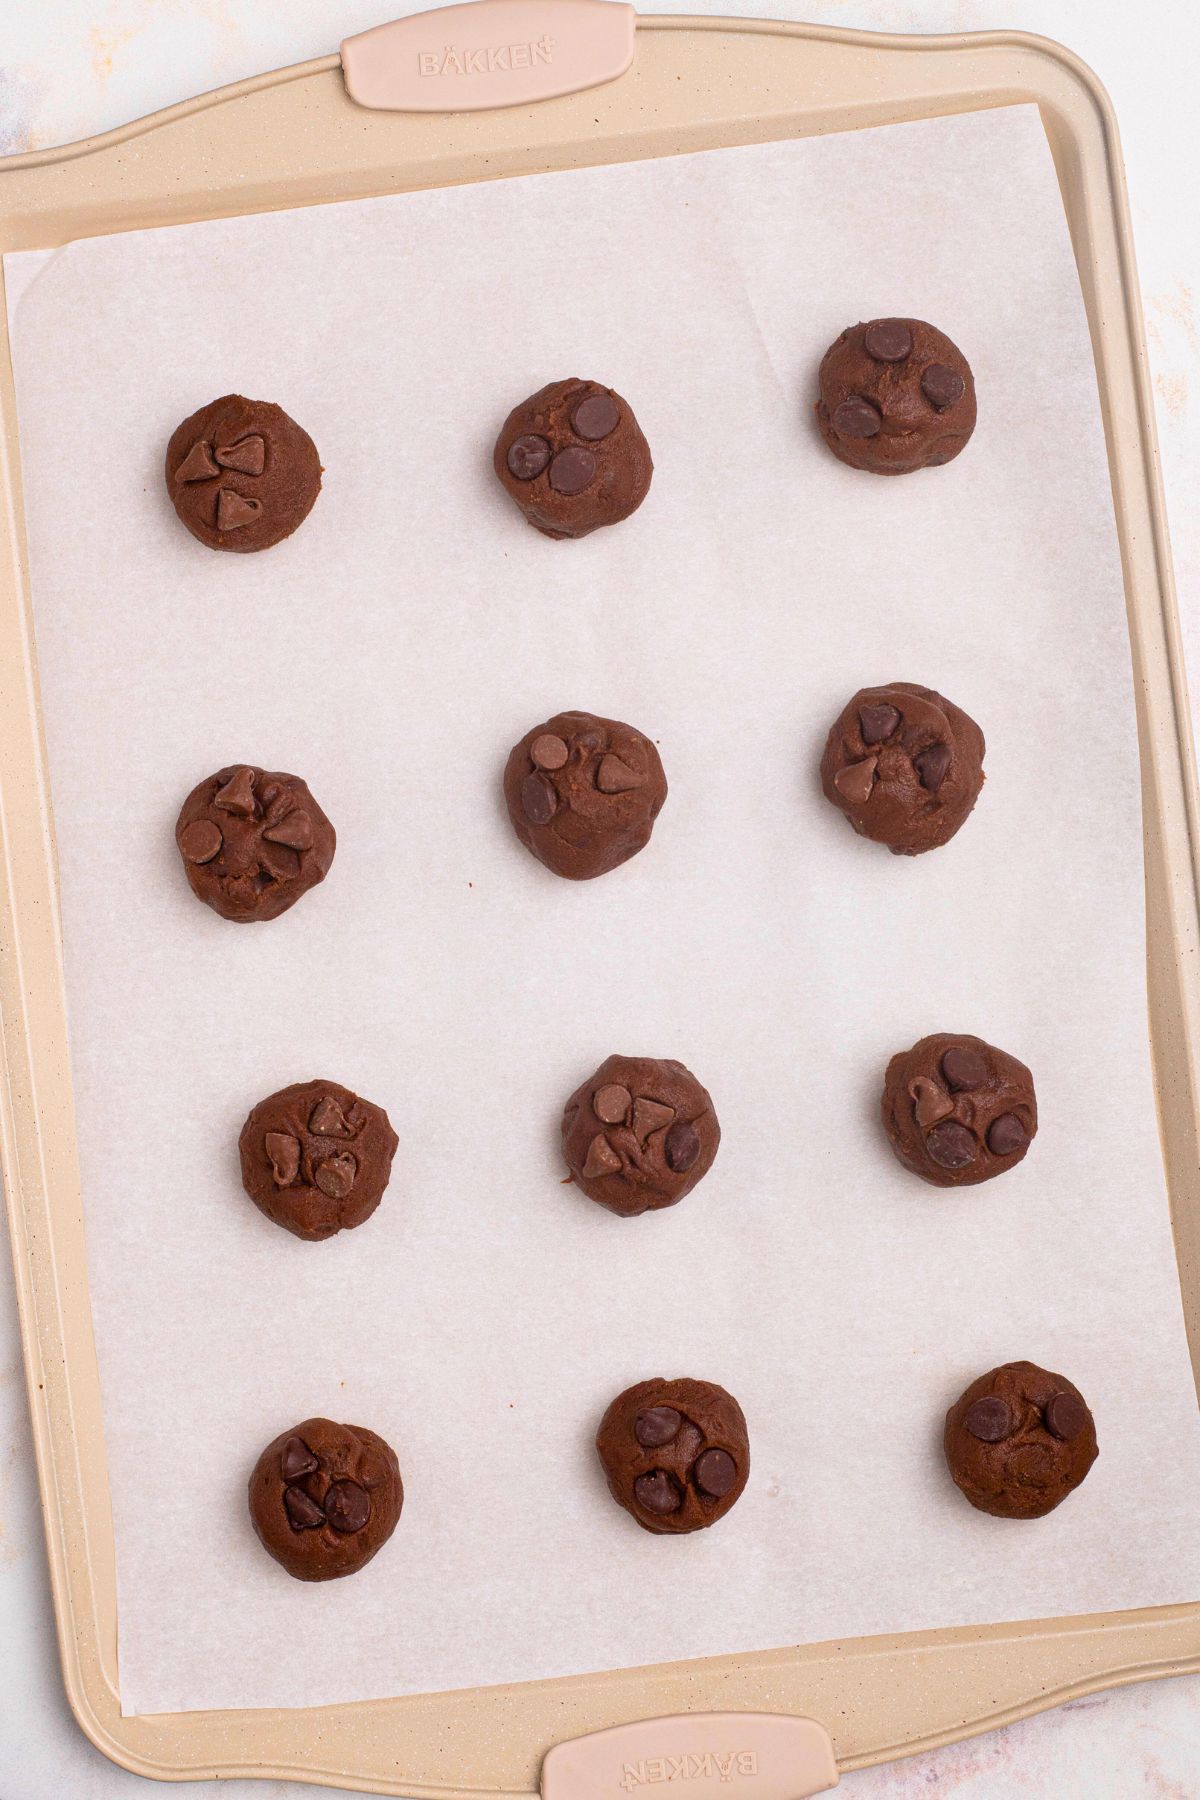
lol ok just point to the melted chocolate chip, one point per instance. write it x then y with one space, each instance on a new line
347 1506
877 722
856 782
527 456
595 417
933 766
538 799
302 1510
612 1103
988 1419
888 340
336 1176
234 510
963 1068
657 1426
1006 1134
283 1153
297 1460
857 418
657 1493
942 386
1065 1416
682 1146
572 470
951 1145
715 1473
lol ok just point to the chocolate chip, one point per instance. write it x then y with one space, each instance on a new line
942 386
857 418
930 1102
682 1146
888 340
1065 1416
656 1426
297 1460
1006 1134
616 777
963 1068
657 1493
283 1152
649 1116
602 1159
327 1119
612 1103
197 465
951 1145
302 1510
277 804
988 1419
933 765
234 510
200 840
347 1506
855 782
248 455
335 1177
715 1473
528 456
538 799
548 751
296 831
280 862
595 417
572 470
237 796
878 722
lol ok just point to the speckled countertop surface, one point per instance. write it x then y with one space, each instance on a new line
69 68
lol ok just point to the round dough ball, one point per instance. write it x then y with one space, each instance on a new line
252 841
905 765
896 395
241 474
583 793
316 1158
957 1110
573 458
639 1134
675 1453
324 1498
1018 1440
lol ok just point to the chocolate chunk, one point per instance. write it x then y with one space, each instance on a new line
302 1510
888 340
538 799
548 751
328 1120
857 418
283 1152
197 465
682 1146
715 1473
595 417
877 723
248 455
1006 1134
657 1426
930 1102
528 456
942 386
648 1116
951 1145
855 782
657 1493
963 1068
200 840
297 1460
237 796
347 1506
295 831
933 765
988 1419
612 1104
602 1159
234 510
616 777
572 470
335 1177
1065 1416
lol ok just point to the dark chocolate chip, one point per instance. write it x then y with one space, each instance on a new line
656 1426
302 1510
297 1460
715 1473
347 1506
1006 1135
933 765
595 417
888 340
1066 1416
682 1146
951 1145
963 1068
572 470
539 801
528 456
857 418
877 722
942 386
657 1493
988 1419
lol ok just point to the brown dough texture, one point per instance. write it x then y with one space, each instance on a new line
316 1158
241 474
639 1134
676 1453
325 1497
905 765
583 793
957 1110
1018 1441
573 458
896 395
252 841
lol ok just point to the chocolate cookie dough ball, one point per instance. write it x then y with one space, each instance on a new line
316 1158
1019 1440
957 1110
675 1453
573 458
583 793
905 765
896 395
639 1134
252 841
324 1498
241 474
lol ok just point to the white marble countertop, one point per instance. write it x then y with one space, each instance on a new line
69 68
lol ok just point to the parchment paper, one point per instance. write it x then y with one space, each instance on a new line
391 652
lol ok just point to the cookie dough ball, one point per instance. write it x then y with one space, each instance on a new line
675 1453
324 1498
957 1110
583 793
896 395
241 474
1019 1440
573 458
639 1134
905 765
252 841
316 1158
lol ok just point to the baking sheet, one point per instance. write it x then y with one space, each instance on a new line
390 653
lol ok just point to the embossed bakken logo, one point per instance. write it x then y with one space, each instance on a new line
493 59
721 1765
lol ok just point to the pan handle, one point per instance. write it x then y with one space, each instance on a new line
739 1756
